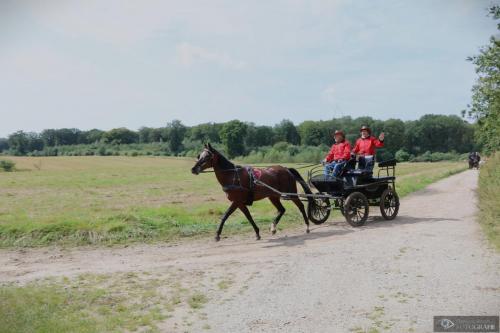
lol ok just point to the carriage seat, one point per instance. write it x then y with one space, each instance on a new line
388 163
360 173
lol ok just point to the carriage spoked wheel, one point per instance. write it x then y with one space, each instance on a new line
318 210
389 204
356 209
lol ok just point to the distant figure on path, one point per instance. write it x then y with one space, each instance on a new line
474 159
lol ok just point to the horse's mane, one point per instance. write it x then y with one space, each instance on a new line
223 162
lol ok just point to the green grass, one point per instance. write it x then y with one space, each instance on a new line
118 302
88 304
424 176
108 200
197 300
489 199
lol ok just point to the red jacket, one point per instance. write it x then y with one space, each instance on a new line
367 146
341 150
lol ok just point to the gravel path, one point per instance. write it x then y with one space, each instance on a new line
384 277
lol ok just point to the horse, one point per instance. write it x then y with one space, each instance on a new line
241 189
474 160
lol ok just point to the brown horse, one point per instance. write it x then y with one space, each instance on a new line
241 190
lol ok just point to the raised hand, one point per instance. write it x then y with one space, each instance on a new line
381 136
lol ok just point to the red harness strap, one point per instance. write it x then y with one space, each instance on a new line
257 173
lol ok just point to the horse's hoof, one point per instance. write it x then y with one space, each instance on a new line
258 237
217 238
273 232
308 231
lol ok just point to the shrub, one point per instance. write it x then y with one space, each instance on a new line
7 165
402 155
283 152
437 156
425 157
281 146
101 151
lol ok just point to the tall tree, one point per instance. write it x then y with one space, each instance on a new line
485 106
286 131
145 134
66 136
121 135
233 135
4 144
49 137
19 142
208 132
258 136
93 135
395 131
175 134
313 133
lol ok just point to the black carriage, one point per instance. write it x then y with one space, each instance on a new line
353 192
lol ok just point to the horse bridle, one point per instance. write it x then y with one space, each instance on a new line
210 155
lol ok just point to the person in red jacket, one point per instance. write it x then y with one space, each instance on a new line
338 156
365 148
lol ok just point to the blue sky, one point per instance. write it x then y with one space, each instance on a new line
105 64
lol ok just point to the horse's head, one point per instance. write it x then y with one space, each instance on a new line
205 159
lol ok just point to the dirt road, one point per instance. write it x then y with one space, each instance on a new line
384 277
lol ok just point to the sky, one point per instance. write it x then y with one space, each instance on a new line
107 64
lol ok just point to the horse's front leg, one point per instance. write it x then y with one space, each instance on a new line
245 211
228 213
281 210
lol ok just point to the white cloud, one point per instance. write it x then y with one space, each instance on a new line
127 22
36 63
329 93
189 55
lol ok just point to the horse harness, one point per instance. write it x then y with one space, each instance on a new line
238 186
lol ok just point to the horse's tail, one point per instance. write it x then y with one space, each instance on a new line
301 181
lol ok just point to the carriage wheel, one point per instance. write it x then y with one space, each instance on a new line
318 210
389 204
356 209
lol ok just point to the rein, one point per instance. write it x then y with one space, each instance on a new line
263 166
225 170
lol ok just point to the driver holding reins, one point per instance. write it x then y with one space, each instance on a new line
365 148
338 156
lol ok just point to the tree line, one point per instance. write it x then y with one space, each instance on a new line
430 133
485 105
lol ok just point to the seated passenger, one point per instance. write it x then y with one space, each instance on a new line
338 156
365 148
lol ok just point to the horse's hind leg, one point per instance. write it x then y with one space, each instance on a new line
245 211
228 213
300 205
281 210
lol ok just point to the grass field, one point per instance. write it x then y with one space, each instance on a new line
118 302
489 199
106 200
